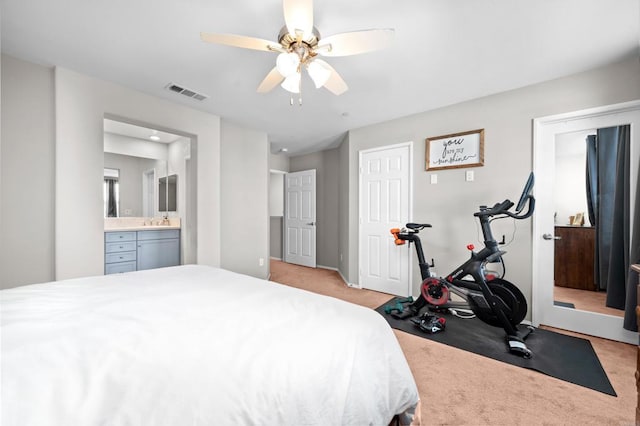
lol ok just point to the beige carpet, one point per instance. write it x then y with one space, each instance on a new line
461 388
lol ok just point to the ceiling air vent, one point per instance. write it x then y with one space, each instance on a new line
186 92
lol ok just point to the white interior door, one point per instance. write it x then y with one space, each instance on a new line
385 203
546 131
300 218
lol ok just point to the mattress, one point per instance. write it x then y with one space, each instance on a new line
196 345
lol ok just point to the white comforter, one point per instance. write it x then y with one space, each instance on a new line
195 345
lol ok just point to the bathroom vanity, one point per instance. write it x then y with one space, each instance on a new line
134 247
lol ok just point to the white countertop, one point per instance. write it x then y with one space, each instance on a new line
141 228
120 224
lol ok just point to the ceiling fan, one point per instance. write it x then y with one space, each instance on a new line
299 45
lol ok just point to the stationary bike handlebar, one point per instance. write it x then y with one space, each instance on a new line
503 209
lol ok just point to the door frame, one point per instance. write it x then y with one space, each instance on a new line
314 226
148 192
545 130
409 145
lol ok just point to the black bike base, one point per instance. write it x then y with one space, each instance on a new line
567 358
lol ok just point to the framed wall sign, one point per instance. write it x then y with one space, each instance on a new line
456 150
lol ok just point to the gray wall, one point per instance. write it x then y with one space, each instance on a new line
81 104
507 120
27 169
327 166
279 162
343 211
275 237
51 171
130 180
244 200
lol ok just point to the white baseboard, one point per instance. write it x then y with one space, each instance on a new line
341 276
275 258
331 268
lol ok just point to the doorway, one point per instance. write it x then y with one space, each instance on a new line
549 131
147 156
148 193
300 218
385 202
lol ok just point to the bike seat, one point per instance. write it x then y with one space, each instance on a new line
418 226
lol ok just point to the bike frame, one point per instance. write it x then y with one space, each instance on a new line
477 292
473 267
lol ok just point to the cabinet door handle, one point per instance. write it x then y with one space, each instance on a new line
550 237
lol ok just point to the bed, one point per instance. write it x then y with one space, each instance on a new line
196 345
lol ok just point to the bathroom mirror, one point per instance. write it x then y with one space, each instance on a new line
167 193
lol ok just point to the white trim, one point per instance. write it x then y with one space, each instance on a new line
275 258
589 113
543 311
331 268
408 144
341 276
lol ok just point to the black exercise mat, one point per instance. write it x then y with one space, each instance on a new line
564 304
567 358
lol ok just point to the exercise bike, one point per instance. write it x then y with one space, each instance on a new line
493 300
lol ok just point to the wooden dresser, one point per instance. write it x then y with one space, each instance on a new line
574 257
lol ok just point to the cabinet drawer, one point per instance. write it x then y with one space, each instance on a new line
118 268
126 256
111 237
158 235
120 246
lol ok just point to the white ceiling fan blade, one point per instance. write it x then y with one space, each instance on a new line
270 81
355 42
335 84
298 15
241 41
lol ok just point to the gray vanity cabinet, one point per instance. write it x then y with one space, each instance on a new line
137 250
119 252
157 249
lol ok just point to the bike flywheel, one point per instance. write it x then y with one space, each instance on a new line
434 291
512 298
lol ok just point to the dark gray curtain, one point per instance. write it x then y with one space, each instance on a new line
592 199
608 157
112 210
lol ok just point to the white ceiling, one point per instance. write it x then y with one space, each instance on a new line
444 52
138 132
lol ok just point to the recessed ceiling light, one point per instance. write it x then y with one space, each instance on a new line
283 150
154 138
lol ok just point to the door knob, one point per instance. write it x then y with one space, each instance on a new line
311 223
550 237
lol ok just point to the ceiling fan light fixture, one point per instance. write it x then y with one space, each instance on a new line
318 73
292 83
287 64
